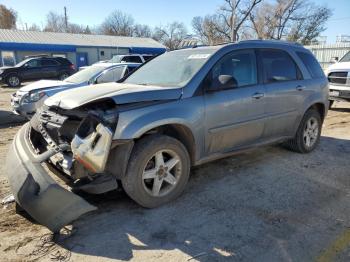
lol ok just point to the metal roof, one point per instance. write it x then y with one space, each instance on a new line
31 37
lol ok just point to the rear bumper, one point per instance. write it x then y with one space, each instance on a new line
35 191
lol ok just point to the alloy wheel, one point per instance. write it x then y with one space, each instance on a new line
161 173
311 131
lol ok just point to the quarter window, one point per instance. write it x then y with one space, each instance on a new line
278 66
241 65
311 64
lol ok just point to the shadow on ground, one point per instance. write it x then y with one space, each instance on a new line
8 119
266 205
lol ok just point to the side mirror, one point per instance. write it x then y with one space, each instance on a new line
334 59
222 82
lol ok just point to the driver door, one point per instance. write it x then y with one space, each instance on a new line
31 70
235 116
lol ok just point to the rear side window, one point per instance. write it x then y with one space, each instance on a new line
63 61
132 59
311 64
48 62
278 66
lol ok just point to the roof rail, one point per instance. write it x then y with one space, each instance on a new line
33 56
275 41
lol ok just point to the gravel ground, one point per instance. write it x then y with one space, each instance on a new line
266 205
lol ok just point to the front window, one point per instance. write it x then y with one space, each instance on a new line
345 58
85 74
8 58
172 69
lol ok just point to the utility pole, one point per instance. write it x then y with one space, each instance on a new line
65 18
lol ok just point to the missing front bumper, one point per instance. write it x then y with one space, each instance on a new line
35 191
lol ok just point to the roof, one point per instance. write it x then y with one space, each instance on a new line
50 38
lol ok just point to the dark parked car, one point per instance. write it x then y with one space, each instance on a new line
37 68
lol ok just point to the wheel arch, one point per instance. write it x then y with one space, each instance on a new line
320 108
178 131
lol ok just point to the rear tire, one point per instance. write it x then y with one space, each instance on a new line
331 102
13 81
308 134
63 76
157 172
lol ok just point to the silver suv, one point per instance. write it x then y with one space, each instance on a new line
181 109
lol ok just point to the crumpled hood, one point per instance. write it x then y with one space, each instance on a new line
339 66
42 84
120 93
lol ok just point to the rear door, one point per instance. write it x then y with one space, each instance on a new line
50 68
285 92
234 117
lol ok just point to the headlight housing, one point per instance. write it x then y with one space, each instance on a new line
33 97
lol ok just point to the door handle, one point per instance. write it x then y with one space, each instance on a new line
258 95
300 88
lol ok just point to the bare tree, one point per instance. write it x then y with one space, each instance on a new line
295 20
118 23
58 23
235 13
8 18
307 29
55 23
170 35
211 29
142 31
227 23
34 27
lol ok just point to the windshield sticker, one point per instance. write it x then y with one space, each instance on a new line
199 56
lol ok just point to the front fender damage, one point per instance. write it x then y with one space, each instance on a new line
35 191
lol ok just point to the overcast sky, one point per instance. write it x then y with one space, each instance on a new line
153 12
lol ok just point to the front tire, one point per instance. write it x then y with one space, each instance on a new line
308 133
158 171
13 81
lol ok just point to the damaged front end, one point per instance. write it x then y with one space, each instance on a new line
76 147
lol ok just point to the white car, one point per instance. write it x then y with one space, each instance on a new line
339 80
30 97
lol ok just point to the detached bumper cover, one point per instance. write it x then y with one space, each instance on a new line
35 191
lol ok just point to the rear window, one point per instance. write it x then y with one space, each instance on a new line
311 64
131 59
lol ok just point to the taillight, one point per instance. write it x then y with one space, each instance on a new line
72 66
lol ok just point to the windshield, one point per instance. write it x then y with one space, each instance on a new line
85 74
172 69
345 58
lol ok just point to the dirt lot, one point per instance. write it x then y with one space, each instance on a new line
267 205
